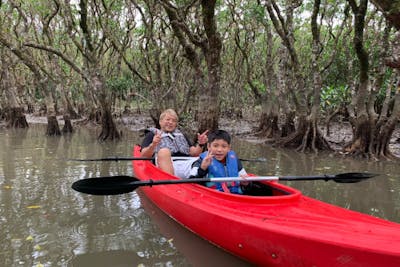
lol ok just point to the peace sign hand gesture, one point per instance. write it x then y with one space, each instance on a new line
207 160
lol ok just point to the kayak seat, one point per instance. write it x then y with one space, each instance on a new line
262 189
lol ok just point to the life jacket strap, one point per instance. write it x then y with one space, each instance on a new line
225 188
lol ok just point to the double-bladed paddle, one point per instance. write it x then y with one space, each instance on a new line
114 185
116 158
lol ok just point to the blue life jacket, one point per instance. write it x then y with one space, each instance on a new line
218 169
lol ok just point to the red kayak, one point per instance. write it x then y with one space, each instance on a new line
283 229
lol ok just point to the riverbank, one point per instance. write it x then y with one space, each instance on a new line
341 132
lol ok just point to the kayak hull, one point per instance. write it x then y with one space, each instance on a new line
285 229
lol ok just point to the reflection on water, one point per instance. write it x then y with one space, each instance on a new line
44 222
198 251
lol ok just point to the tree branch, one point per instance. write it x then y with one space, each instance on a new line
61 55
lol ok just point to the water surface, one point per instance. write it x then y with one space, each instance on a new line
45 223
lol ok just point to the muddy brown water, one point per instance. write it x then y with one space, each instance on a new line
44 222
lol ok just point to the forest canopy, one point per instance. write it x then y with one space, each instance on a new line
293 64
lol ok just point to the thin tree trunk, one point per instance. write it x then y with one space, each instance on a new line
268 126
286 105
109 129
67 110
53 128
208 110
15 113
317 139
270 100
386 125
365 121
307 136
67 124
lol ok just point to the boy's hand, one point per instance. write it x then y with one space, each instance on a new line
244 182
207 161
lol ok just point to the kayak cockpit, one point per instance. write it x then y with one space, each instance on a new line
262 192
265 189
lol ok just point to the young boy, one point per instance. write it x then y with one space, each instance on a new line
220 161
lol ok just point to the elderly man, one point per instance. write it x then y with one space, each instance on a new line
169 142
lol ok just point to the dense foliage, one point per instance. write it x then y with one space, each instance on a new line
286 55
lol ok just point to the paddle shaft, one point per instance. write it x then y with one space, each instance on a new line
206 180
153 158
113 185
238 179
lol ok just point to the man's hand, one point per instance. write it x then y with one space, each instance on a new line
202 139
156 139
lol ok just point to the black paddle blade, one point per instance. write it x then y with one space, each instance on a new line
106 185
352 177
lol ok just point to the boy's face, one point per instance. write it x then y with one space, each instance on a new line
219 148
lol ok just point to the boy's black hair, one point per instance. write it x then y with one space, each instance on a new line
219 134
